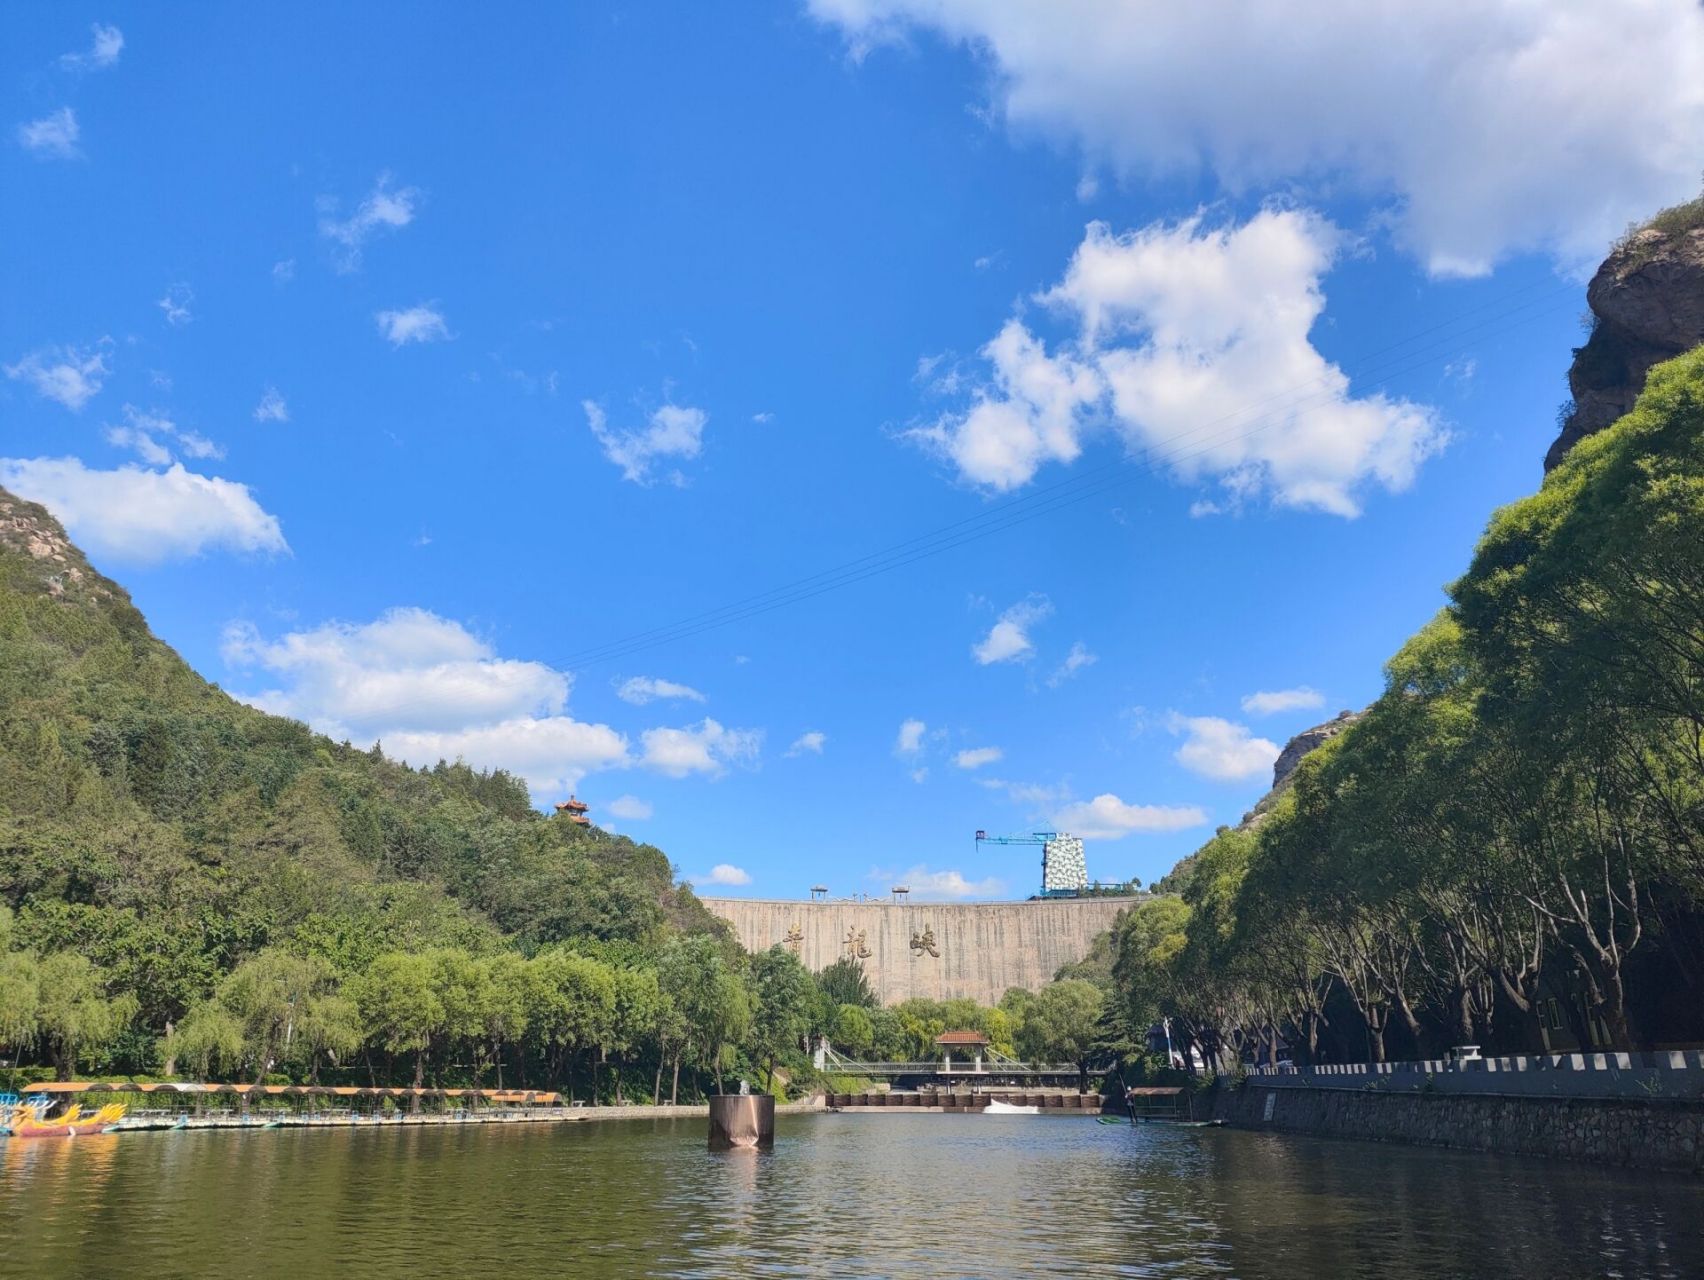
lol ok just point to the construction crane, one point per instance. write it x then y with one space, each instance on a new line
1064 872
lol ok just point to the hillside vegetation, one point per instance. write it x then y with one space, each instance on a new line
1508 847
190 886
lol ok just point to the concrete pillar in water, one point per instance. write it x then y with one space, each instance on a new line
742 1120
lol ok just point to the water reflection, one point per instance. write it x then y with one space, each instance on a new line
841 1195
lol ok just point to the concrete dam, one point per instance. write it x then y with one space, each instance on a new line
936 951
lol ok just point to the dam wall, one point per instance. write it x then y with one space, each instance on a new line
935 951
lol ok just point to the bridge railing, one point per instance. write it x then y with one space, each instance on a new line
834 1062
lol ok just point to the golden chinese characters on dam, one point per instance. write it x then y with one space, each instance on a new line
936 951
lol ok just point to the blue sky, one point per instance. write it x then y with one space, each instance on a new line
405 363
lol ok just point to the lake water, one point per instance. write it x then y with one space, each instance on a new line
840 1196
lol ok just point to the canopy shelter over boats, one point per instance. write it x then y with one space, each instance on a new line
310 1096
1157 1102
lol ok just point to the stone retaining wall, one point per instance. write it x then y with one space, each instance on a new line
1650 1133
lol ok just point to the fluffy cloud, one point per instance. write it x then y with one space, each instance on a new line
1075 661
723 873
53 137
910 739
706 747
145 516
939 886
387 208
551 753
642 689
812 741
1418 105
1192 344
976 757
424 323
430 690
103 52
175 305
70 375
1008 639
272 407
674 431
142 432
1271 701
629 808
1221 749
410 669
1106 817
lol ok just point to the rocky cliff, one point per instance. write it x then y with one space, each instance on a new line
1291 756
1647 304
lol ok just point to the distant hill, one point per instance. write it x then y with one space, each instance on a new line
165 830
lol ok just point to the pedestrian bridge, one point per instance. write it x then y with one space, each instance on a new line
984 1066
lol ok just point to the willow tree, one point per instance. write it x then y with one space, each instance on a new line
75 1011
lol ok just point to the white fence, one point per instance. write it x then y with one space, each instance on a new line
1673 1073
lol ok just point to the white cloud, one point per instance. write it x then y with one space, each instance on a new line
1106 817
1192 345
272 407
763 419
143 430
1028 413
723 873
143 516
53 137
1008 640
69 375
812 741
1075 661
939 886
176 305
150 450
910 739
674 431
1271 701
424 323
284 272
409 669
1221 749
387 208
706 747
550 753
430 690
1479 122
103 52
628 808
976 757
642 689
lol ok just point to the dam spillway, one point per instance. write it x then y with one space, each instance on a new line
934 951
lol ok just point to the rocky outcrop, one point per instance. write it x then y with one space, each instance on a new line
1290 757
1647 302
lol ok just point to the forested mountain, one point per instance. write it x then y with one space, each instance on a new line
189 886
1507 847
152 826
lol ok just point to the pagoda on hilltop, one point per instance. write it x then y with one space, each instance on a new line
575 808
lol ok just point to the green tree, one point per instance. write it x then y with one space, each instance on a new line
1060 1024
783 1003
75 1011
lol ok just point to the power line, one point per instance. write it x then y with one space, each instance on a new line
1092 482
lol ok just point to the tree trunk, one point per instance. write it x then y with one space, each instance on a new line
674 1086
657 1084
419 1081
